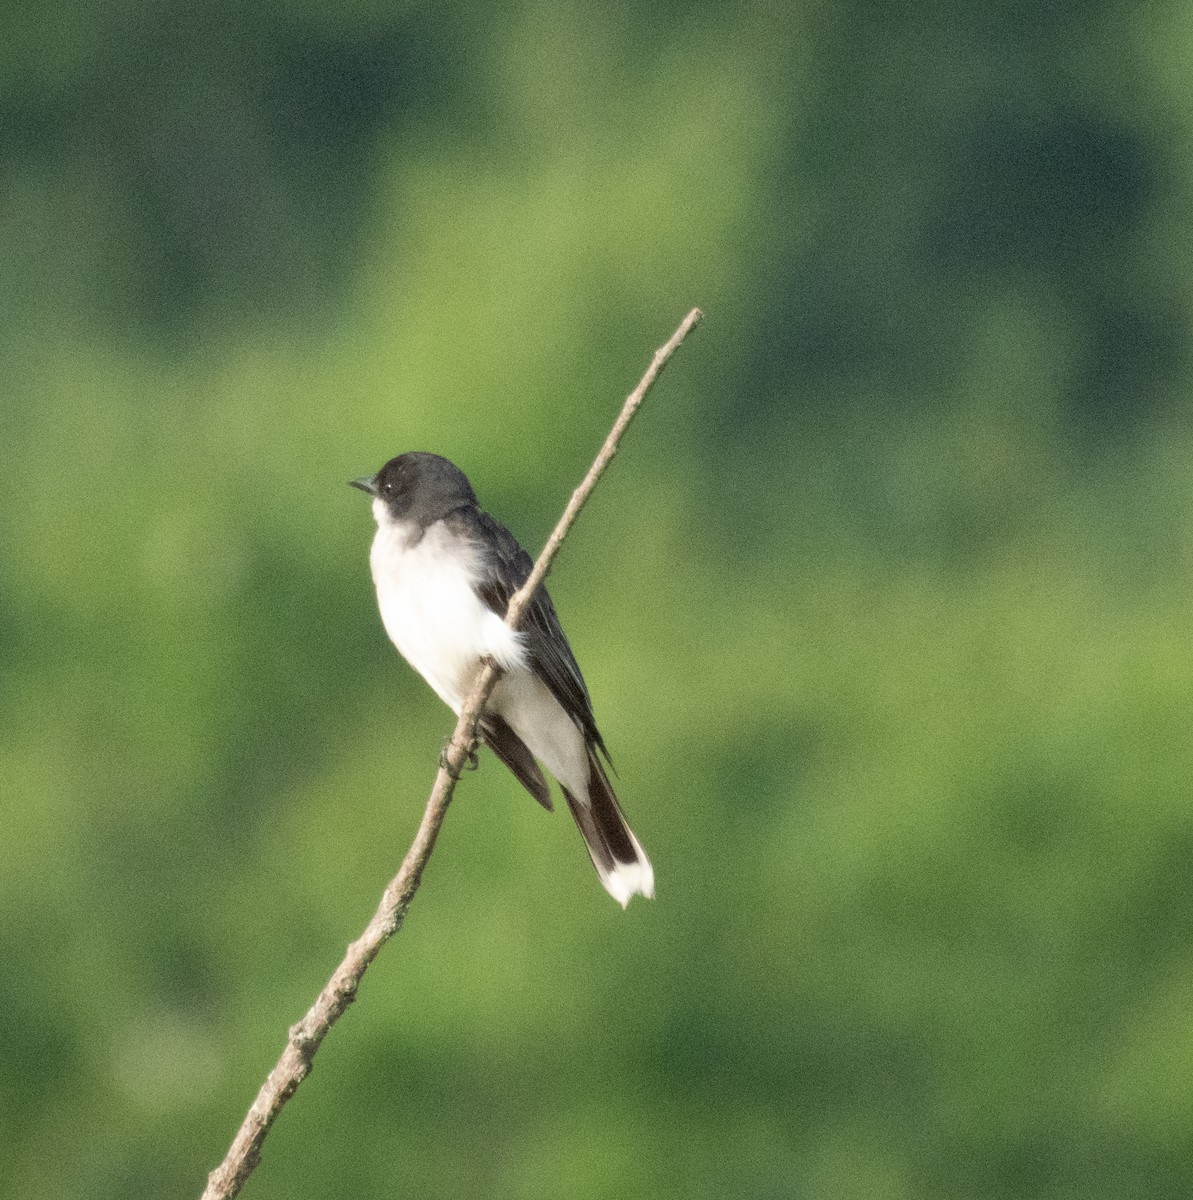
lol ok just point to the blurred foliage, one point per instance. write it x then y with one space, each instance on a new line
886 606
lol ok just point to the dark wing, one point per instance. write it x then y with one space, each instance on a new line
551 657
514 752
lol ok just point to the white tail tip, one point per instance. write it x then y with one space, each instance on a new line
629 879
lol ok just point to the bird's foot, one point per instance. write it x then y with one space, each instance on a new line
471 762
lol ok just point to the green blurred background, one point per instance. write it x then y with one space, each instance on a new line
886 605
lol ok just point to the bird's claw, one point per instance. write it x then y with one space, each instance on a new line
471 762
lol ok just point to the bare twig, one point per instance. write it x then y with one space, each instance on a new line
307 1035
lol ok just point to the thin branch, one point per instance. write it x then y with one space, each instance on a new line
307 1035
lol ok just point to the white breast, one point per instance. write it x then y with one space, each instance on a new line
430 609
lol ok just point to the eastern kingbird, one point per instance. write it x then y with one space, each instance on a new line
445 572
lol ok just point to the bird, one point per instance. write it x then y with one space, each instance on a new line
444 571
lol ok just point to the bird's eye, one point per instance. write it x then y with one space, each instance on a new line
388 487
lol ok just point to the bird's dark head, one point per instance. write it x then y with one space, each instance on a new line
417 488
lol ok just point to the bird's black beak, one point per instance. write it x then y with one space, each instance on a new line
366 483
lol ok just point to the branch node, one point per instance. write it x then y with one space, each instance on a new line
301 1038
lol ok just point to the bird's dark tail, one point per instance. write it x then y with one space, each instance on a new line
616 853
